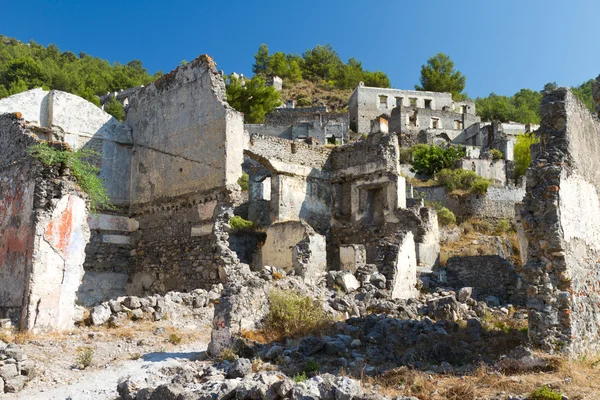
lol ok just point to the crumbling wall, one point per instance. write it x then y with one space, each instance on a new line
16 233
186 137
367 173
187 156
300 179
561 220
497 203
488 276
43 234
61 116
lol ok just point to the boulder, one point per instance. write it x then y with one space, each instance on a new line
100 314
348 282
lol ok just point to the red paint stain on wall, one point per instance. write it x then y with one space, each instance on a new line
58 232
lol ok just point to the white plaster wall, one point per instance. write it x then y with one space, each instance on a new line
57 270
579 206
76 115
404 285
33 104
352 257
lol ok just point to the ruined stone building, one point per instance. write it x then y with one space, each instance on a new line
301 123
420 116
171 170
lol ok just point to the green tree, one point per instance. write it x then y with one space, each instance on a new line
261 60
115 108
295 74
429 159
439 75
550 86
23 67
321 62
254 99
584 93
376 79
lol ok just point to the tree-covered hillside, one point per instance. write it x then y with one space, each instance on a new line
319 64
25 66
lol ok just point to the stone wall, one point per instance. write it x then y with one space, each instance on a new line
186 137
488 276
300 123
17 232
187 157
497 203
561 220
486 168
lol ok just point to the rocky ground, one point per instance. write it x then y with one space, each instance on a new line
443 345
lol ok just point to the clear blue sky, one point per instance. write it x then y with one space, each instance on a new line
501 46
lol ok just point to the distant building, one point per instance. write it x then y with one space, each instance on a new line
417 116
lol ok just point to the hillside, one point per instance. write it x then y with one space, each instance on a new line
308 94
25 66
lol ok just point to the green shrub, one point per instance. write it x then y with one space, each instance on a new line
238 223
243 181
85 357
312 366
522 152
502 226
115 108
430 159
84 172
545 393
300 377
293 315
445 216
496 154
228 354
174 338
462 180
406 155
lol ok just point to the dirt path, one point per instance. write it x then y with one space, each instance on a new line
102 384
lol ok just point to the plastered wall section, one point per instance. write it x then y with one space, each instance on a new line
57 267
186 137
82 125
561 220
16 237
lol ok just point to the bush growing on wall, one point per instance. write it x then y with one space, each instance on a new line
429 159
496 154
462 180
85 173
522 152
445 216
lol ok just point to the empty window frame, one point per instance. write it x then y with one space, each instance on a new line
458 124
428 104
382 101
413 101
398 101
435 123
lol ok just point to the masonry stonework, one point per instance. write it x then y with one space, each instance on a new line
561 223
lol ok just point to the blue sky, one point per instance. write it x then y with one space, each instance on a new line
501 46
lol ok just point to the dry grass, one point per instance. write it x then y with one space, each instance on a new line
577 379
316 93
